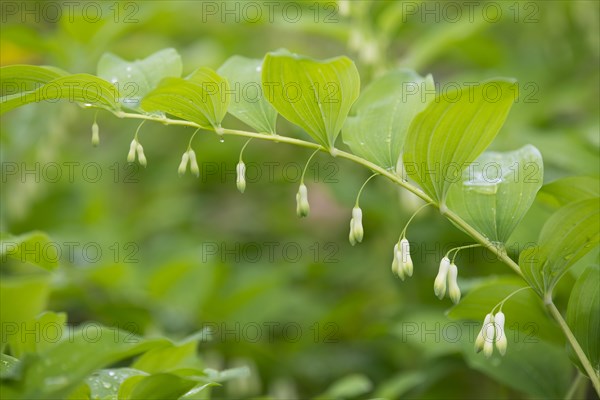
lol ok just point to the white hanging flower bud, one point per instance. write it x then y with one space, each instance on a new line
501 341
193 163
240 181
439 285
356 227
490 331
132 148
396 264
95 134
481 338
141 156
302 206
453 289
183 164
405 261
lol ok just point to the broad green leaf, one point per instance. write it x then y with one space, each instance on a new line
496 191
105 383
569 234
315 95
41 333
34 248
379 120
63 367
538 368
524 311
86 89
158 386
165 359
21 300
348 387
202 97
453 131
583 315
248 102
567 190
134 80
24 78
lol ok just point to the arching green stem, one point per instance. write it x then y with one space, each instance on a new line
362 187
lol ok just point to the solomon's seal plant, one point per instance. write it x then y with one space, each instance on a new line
430 143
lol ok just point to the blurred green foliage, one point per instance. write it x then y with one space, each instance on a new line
154 254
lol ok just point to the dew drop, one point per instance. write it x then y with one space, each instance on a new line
222 140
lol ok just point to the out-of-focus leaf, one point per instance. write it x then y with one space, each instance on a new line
202 97
134 80
248 101
568 190
86 89
453 131
315 95
8 365
24 78
34 248
496 191
379 120
105 383
569 234
165 359
583 315
348 387
158 386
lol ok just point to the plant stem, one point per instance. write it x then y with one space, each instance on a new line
587 366
362 187
575 386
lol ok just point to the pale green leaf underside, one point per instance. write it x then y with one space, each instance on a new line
135 79
583 314
379 120
248 102
80 88
315 95
202 98
569 234
496 191
453 130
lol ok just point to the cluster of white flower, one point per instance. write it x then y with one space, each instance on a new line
302 206
356 227
136 147
402 264
447 278
189 157
492 332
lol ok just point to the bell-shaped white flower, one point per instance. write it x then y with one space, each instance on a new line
481 337
453 289
405 261
240 180
95 134
140 155
193 163
356 227
489 335
132 149
501 341
302 206
397 263
183 164
439 285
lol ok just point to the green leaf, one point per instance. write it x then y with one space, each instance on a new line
315 95
86 89
348 387
35 248
63 367
8 366
202 97
134 80
164 359
158 386
496 191
524 311
248 102
25 78
569 234
105 383
583 315
40 333
453 131
379 120
567 190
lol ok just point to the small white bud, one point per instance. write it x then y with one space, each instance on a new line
183 164
141 156
396 264
302 206
356 227
132 148
439 285
193 163
240 181
453 289
481 338
95 134
405 261
501 341
490 330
